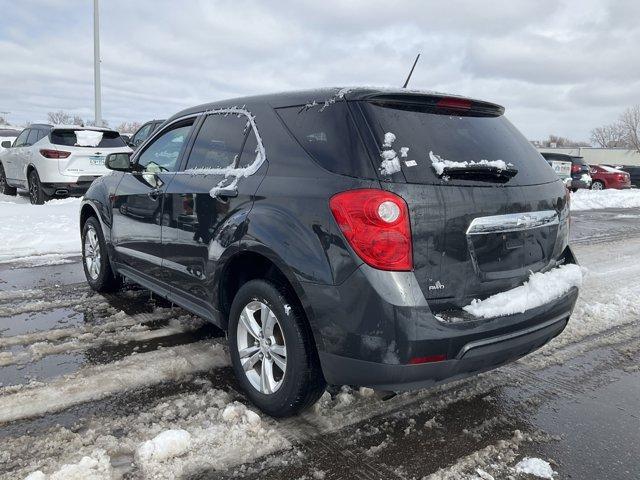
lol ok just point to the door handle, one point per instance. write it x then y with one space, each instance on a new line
226 192
154 194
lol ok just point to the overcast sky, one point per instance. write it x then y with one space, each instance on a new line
558 67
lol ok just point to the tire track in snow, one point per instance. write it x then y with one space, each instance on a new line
97 382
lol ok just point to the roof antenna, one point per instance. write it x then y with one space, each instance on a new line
411 72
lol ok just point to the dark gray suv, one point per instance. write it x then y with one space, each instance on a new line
339 236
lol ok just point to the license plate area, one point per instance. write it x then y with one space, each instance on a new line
508 246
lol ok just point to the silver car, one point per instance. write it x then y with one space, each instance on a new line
56 160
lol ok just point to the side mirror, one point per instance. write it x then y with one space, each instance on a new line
6 144
120 162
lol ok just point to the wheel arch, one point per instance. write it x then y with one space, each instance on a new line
253 264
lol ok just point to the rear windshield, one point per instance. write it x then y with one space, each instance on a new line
330 137
69 138
421 136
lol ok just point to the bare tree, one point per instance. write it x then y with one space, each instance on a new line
630 120
561 142
59 118
77 120
3 121
128 127
609 136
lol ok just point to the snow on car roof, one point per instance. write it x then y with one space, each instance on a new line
78 127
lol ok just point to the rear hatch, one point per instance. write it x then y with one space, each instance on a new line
87 150
486 208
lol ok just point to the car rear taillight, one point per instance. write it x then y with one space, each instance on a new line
376 225
48 153
575 168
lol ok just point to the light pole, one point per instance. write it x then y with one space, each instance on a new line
96 64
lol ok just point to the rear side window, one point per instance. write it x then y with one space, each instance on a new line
418 133
68 138
33 137
330 137
219 142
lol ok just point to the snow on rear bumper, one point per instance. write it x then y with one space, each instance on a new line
371 327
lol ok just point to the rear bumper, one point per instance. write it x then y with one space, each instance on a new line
388 322
474 358
79 187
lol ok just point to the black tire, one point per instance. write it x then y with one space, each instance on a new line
105 280
5 188
597 185
302 384
37 196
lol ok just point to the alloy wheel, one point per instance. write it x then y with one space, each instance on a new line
92 253
262 347
596 186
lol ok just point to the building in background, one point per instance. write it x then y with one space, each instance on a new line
599 156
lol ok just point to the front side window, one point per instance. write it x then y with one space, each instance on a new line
22 139
218 143
162 154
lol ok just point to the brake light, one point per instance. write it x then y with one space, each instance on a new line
428 359
376 225
454 103
47 153
575 168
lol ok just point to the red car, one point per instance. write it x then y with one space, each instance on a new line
608 177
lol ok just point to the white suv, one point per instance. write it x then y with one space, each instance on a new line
56 160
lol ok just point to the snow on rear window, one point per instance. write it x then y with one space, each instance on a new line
439 164
88 138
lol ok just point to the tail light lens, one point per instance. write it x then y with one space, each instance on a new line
376 225
575 168
47 153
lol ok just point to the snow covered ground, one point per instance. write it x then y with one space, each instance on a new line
585 199
27 231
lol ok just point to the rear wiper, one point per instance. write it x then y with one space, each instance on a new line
480 170
491 169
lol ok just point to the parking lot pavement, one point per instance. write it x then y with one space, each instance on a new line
89 375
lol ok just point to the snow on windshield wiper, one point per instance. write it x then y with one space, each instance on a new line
498 168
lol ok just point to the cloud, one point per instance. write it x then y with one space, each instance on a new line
558 67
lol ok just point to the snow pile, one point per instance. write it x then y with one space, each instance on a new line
390 162
27 230
536 467
439 164
585 199
168 444
540 289
95 467
88 138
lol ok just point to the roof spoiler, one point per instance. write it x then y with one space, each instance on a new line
446 103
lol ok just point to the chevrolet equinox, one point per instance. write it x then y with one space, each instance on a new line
337 235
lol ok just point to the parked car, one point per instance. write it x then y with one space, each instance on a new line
580 177
324 231
143 133
563 170
633 171
56 160
605 176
